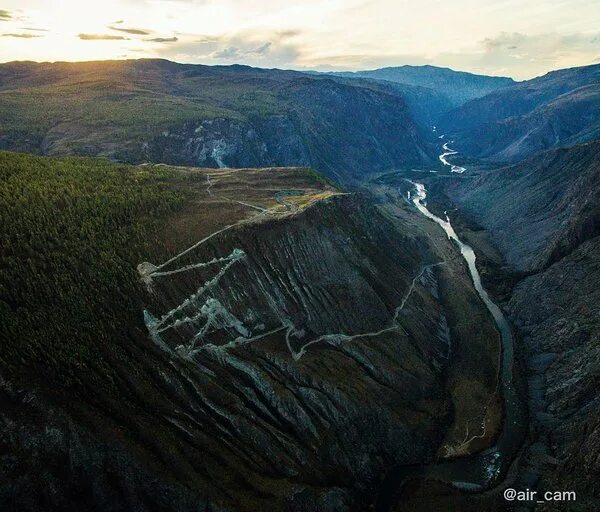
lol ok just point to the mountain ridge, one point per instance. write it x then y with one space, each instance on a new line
457 86
498 126
208 116
303 345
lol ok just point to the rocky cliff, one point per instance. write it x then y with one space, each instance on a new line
557 312
234 116
542 215
557 109
539 210
285 344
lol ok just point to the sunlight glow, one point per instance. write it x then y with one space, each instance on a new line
484 36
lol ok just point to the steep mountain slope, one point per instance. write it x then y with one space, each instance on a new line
212 116
457 87
279 345
426 104
543 215
557 109
541 209
569 119
557 314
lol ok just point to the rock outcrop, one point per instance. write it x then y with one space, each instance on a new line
557 312
558 109
281 359
542 215
211 116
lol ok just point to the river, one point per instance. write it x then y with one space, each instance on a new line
448 152
485 469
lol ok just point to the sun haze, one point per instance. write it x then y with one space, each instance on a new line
480 36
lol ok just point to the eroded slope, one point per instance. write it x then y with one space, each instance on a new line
327 340
542 217
211 116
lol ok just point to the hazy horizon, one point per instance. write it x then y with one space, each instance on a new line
335 35
300 70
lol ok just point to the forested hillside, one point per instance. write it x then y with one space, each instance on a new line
213 116
291 332
73 229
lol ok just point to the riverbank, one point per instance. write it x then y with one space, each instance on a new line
487 468
532 227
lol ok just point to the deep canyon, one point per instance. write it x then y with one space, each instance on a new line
228 288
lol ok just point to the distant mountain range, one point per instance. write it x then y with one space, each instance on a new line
497 118
457 87
557 109
161 111
348 126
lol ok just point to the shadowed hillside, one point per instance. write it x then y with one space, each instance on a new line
541 209
543 215
218 116
560 108
457 87
183 338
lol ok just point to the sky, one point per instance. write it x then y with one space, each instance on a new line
517 38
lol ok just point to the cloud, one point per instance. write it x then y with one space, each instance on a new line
101 37
234 53
266 50
132 31
22 36
287 34
523 54
163 39
517 55
5 15
263 49
546 45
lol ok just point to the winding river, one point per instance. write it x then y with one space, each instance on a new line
448 152
486 469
